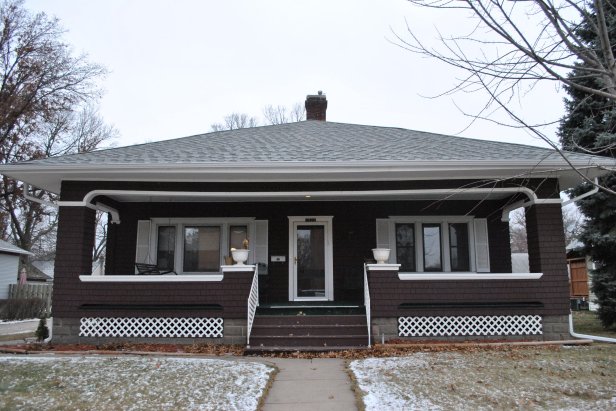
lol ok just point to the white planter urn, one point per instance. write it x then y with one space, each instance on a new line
240 256
381 255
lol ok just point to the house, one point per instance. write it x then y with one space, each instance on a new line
313 199
9 266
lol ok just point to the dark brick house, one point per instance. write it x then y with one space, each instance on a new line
313 199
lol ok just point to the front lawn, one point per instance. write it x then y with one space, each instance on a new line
581 377
130 383
586 322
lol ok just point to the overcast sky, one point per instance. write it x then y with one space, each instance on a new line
176 67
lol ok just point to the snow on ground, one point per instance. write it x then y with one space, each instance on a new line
130 383
571 379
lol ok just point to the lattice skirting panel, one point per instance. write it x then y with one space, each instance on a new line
470 326
151 327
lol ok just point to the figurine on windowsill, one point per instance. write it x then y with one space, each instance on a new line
245 244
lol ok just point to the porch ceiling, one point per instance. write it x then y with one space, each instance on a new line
376 195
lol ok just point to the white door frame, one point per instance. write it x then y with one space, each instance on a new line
326 222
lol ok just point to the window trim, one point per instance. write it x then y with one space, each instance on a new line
444 222
180 223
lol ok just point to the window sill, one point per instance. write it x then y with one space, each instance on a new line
383 267
237 268
468 276
150 278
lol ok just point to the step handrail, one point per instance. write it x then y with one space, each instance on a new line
367 303
253 303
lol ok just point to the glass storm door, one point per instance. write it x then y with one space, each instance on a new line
311 261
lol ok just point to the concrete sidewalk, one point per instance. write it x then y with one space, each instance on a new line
17 332
317 384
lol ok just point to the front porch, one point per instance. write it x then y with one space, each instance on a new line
308 246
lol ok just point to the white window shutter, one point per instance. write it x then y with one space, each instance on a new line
260 242
143 242
382 234
482 248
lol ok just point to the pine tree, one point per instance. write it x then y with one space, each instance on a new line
589 126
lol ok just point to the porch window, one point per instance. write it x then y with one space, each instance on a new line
165 253
237 235
432 258
201 249
405 246
459 251
199 245
435 244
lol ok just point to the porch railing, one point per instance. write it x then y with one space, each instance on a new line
367 303
253 303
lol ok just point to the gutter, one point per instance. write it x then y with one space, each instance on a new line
586 336
594 191
115 214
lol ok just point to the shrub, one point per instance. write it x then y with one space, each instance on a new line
23 308
42 332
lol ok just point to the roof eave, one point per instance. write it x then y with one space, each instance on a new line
49 177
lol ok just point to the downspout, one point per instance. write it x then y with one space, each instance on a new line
586 336
595 190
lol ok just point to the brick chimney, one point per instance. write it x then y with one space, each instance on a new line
316 106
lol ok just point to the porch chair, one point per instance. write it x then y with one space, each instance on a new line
152 269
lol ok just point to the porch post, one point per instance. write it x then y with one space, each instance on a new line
546 254
74 244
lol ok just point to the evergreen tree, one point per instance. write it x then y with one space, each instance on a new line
590 127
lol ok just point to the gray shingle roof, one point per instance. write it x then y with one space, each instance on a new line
10 248
311 141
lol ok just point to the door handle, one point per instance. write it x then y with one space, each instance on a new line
295 260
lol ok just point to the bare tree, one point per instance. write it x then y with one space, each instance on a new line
283 115
235 121
273 115
573 222
46 97
513 45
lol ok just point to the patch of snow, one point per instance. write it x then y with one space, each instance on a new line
18 321
373 377
131 383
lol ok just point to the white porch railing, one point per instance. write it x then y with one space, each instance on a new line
253 303
367 303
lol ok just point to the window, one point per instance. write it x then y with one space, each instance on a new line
436 244
238 234
201 249
458 247
431 234
165 253
197 245
405 246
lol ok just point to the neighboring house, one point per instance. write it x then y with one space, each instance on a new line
579 266
9 266
46 267
36 275
313 198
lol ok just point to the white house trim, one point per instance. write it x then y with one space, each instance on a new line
169 278
468 276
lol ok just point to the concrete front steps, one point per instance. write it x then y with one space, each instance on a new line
308 332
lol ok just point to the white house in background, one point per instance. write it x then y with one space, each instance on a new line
9 266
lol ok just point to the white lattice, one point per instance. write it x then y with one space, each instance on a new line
469 325
150 327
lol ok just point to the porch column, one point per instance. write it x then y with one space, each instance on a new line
547 255
74 244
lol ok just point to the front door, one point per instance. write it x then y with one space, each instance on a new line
310 265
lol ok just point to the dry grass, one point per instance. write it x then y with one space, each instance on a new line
520 378
130 383
586 322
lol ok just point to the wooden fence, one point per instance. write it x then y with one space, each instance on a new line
42 291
